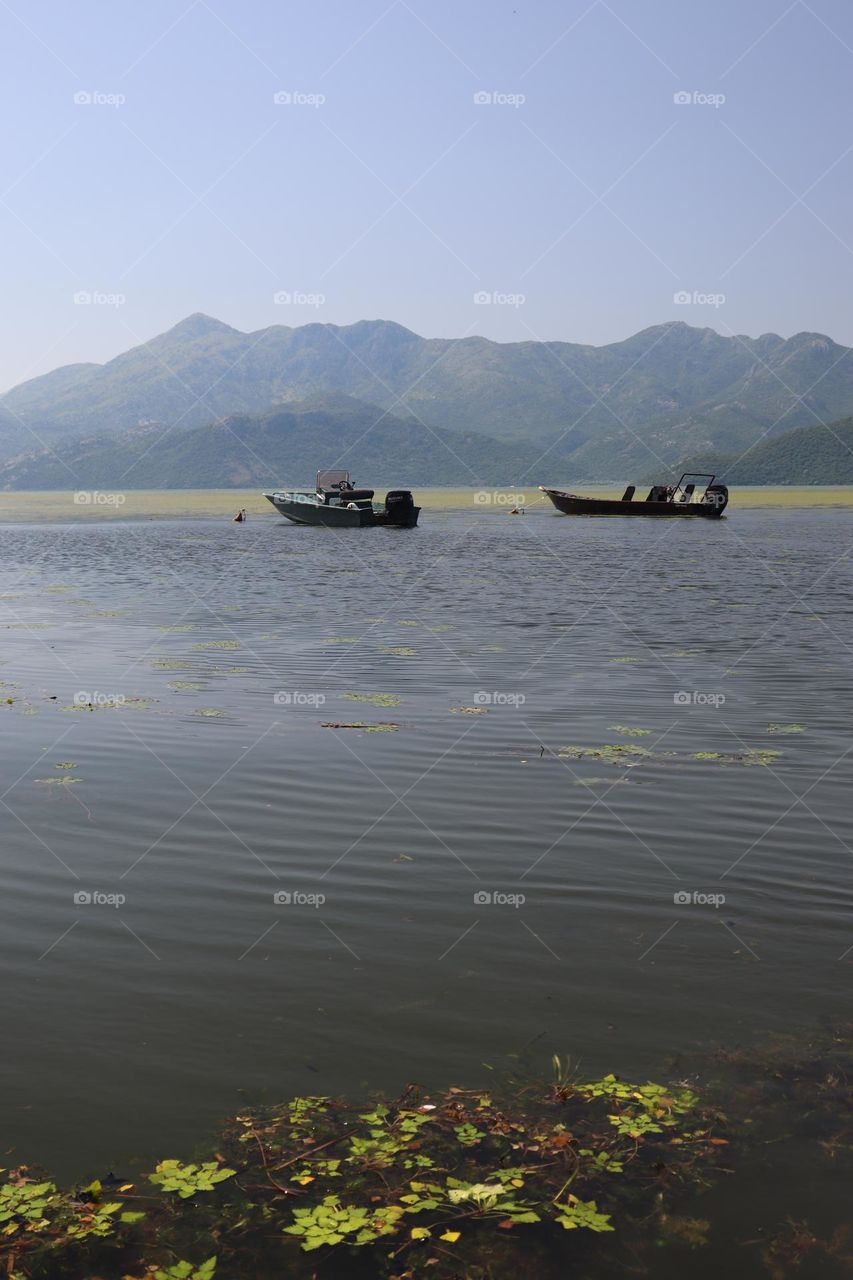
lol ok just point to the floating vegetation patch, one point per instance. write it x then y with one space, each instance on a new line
399 651
470 711
408 622
171 664
622 753
218 644
342 640
375 699
211 712
430 1184
230 671
786 728
682 653
65 764
26 626
742 757
493 648
65 781
179 626
56 589
629 730
188 685
627 659
110 613
382 726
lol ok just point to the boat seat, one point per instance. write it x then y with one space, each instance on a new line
628 495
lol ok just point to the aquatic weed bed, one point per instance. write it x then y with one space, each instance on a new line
592 1178
443 1185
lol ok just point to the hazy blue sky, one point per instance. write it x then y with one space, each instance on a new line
184 186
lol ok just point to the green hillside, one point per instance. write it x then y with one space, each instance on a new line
807 455
667 392
283 446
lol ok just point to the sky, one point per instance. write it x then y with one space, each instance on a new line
572 170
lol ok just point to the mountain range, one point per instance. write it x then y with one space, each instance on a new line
458 410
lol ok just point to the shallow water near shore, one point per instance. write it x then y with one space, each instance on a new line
563 824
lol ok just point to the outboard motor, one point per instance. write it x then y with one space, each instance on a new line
716 495
399 505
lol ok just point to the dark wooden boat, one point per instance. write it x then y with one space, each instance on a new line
335 503
687 498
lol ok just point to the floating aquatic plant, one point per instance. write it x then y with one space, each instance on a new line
171 664
629 730
179 626
210 712
365 726
188 685
399 651
613 753
785 728
627 659
375 699
218 644
470 711
189 1179
342 640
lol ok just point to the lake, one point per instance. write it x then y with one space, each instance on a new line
598 805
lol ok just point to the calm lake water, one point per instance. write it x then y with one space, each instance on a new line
306 908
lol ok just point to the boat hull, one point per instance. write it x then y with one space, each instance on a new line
336 517
571 504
